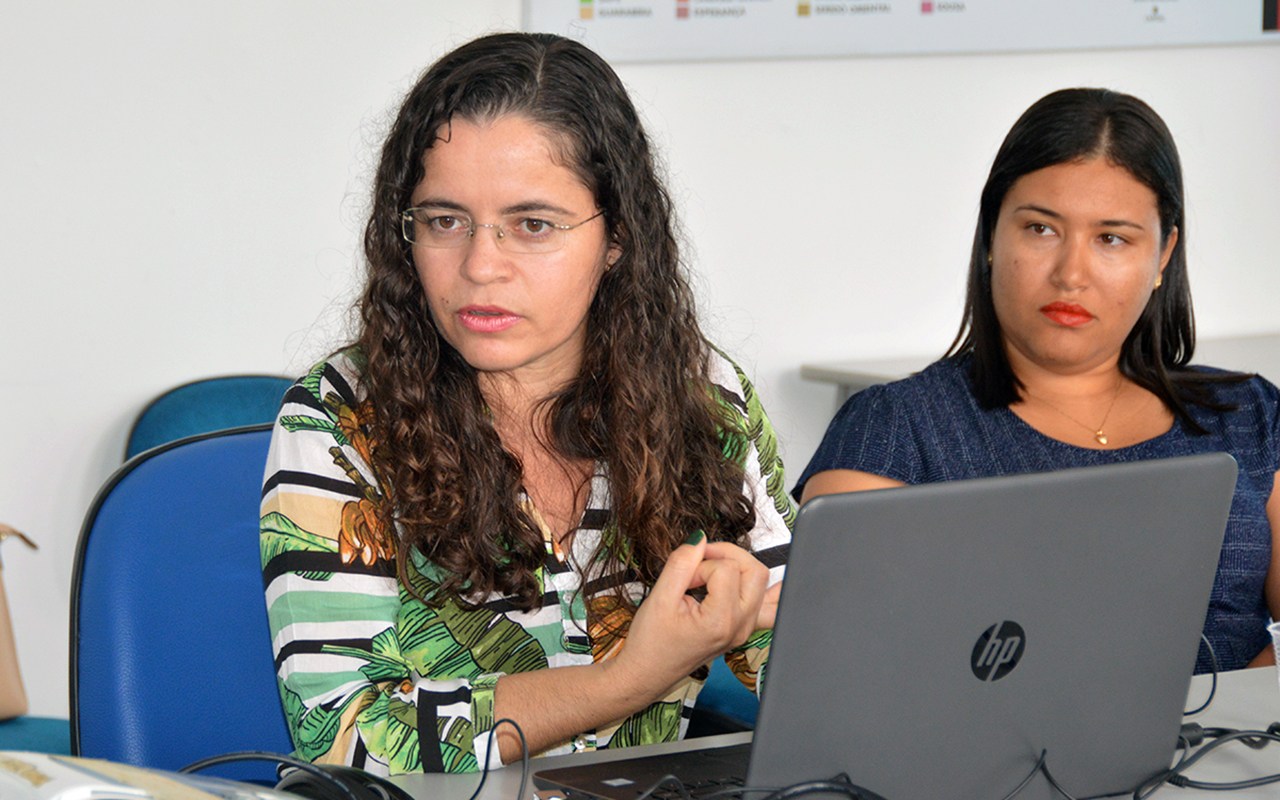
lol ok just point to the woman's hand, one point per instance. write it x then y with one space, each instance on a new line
722 555
673 633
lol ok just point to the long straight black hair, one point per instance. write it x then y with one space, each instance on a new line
1079 125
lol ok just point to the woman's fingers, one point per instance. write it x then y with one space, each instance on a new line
679 632
769 608
680 572
755 575
736 588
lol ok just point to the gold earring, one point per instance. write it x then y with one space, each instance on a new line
988 259
1159 280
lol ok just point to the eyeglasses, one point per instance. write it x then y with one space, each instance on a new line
437 227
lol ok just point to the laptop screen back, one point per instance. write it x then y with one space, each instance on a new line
933 640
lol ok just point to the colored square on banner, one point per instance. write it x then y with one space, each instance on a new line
701 30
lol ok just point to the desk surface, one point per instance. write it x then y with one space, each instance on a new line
1246 699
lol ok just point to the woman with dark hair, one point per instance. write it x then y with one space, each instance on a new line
530 489
1075 349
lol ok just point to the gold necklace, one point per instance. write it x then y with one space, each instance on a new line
1098 434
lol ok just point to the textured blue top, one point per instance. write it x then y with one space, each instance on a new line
929 428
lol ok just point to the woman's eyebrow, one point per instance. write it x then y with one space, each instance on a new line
536 205
1106 223
1120 223
1039 210
525 207
439 202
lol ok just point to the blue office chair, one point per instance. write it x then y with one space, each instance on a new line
724 704
170 652
209 404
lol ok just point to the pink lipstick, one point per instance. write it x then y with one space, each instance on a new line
1067 314
486 319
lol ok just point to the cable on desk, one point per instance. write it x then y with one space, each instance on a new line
1026 780
1041 767
1044 768
524 758
1221 736
663 781
840 784
274 758
1213 687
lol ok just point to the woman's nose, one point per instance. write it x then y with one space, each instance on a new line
1074 263
483 259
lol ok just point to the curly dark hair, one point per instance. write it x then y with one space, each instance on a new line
642 402
1077 125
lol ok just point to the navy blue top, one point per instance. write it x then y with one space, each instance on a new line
929 428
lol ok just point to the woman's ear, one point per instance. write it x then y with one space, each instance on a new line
1169 244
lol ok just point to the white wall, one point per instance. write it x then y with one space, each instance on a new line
184 188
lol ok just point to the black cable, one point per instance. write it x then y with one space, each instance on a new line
1221 736
1150 785
1044 768
1213 687
312 769
524 758
1191 735
1254 739
736 791
840 784
665 779
275 758
1026 780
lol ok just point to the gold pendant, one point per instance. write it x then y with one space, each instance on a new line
1101 439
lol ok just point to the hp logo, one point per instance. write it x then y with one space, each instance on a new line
998 651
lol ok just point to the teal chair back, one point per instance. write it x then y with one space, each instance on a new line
209 404
724 704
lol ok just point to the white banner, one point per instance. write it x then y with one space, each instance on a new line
667 30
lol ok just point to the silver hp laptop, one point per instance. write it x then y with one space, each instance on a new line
933 641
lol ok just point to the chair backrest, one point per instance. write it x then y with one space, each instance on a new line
170 651
724 694
209 404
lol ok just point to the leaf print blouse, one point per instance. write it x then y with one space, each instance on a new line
372 677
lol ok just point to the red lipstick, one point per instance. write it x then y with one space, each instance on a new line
486 319
1067 314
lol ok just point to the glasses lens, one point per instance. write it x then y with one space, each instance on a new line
531 236
438 228
430 228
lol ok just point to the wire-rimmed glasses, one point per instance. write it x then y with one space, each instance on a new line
437 227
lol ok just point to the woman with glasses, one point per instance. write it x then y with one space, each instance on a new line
530 489
1075 349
